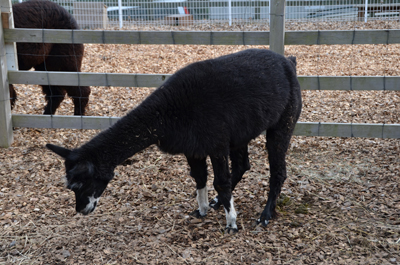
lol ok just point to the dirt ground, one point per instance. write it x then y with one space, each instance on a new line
339 205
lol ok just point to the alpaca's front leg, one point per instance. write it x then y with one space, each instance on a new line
202 200
198 170
223 185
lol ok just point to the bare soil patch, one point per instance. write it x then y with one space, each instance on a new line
339 205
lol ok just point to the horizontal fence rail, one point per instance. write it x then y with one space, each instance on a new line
302 128
328 37
86 79
347 129
389 83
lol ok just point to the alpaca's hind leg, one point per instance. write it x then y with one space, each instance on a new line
277 145
223 185
54 96
13 95
198 170
68 58
278 140
80 97
240 164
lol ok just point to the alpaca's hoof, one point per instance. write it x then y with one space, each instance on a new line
230 230
215 203
197 214
263 222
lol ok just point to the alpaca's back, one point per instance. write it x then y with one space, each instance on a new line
225 101
42 14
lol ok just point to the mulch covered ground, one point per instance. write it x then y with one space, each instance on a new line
339 205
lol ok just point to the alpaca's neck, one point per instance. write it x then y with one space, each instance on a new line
128 136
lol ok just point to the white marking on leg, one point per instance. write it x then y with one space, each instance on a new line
91 205
231 216
202 200
214 201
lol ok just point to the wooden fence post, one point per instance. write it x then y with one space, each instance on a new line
277 26
8 61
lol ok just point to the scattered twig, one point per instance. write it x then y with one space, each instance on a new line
176 253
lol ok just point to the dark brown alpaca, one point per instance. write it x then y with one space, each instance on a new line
49 56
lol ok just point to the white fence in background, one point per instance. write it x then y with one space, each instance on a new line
125 13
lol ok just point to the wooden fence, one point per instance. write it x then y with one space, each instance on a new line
8 36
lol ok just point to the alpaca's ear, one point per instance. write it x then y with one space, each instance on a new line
293 60
61 151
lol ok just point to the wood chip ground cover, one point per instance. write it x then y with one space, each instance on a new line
339 205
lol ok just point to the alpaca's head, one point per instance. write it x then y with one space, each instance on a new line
85 179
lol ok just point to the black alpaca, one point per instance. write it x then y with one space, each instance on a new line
209 108
49 56
13 95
